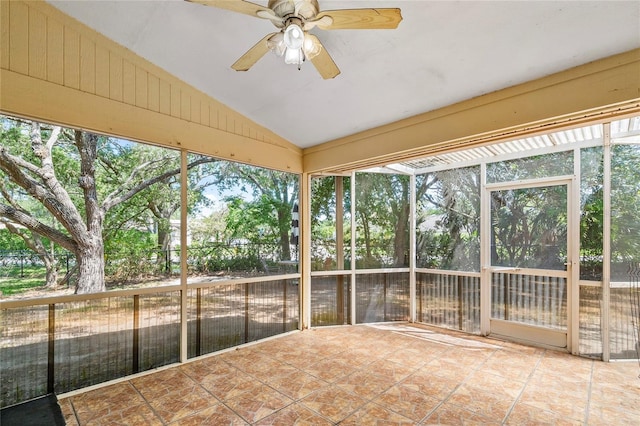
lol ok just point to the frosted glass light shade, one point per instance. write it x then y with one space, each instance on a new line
276 44
311 47
293 56
293 37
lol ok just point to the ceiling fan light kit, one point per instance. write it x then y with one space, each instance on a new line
295 18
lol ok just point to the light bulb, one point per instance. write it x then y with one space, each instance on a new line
293 56
293 36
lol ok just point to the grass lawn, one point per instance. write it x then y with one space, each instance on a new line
12 283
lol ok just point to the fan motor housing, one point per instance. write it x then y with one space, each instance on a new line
308 9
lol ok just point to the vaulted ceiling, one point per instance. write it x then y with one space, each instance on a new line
442 52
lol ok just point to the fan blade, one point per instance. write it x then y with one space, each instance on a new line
239 6
360 19
253 55
323 22
270 15
323 62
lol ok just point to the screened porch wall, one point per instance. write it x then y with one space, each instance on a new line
449 300
60 345
447 257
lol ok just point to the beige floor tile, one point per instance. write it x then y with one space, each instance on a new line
448 414
410 357
391 374
566 365
201 371
296 385
527 415
610 414
430 384
295 415
136 415
392 371
447 369
502 386
105 401
374 414
182 403
616 372
619 397
407 402
511 364
300 359
557 401
329 370
67 412
244 358
258 404
157 385
217 414
274 371
354 359
203 366
364 383
334 403
492 403
229 385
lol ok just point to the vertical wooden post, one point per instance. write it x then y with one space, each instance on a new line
419 297
412 247
606 249
507 295
460 301
136 334
384 296
246 312
51 359
199 322
284 306
340 248
184 267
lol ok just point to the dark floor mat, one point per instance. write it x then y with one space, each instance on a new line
43 411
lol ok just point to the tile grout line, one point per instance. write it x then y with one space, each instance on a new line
458 386
526 383
359 368
219 401
293 401
75 414
146 402
588 407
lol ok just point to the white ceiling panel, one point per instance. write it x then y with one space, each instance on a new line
441 53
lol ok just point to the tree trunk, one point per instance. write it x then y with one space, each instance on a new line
164 244
367 241
402 228
90 259
284 235
400 238
52 270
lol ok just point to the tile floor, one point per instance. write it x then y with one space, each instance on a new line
388 374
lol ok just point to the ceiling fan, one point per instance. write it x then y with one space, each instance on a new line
294 19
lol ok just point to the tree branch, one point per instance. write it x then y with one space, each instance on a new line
113 200
30 239
65 211
53 138
20 217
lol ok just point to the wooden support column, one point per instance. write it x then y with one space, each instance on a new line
340 247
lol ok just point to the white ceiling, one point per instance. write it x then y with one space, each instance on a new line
441 53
